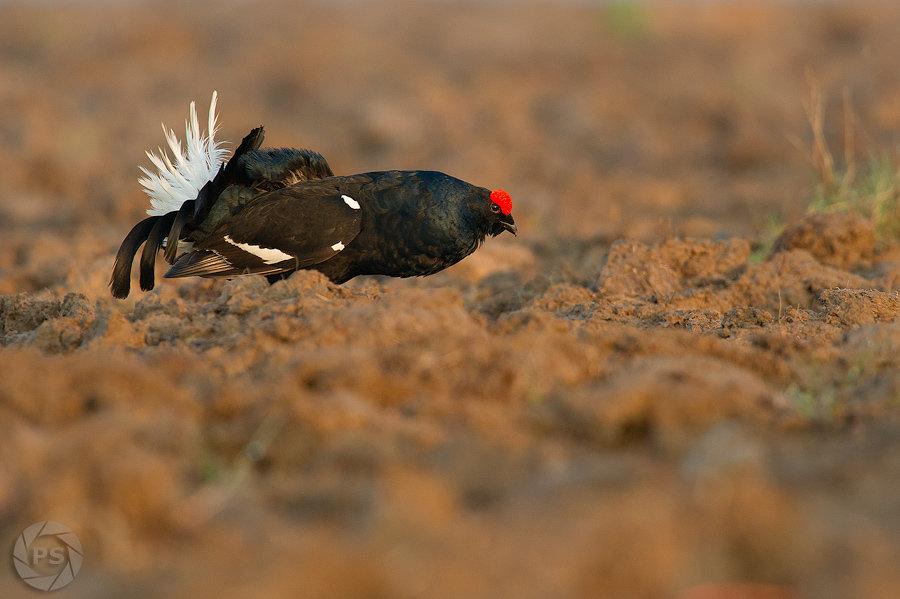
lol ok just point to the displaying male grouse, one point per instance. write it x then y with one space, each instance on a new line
274 211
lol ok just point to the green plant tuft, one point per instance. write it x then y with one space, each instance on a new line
870 189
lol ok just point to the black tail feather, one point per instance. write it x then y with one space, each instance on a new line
185 213
120 281
227 175
154 240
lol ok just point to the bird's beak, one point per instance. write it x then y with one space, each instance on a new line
509 224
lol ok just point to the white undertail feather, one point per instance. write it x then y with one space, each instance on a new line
181 178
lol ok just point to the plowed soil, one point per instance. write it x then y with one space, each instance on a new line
636 397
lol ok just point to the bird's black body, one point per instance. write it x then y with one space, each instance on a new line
273 212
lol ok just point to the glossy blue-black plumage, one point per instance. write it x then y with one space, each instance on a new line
274 211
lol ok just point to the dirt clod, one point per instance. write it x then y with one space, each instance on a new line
836 239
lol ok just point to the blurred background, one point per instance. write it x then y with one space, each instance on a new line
604 120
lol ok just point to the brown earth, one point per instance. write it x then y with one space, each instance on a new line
634 398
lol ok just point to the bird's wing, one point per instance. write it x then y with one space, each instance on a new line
281 231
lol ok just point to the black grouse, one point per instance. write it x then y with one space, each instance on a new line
274 211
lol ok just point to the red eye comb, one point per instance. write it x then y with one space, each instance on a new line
502 199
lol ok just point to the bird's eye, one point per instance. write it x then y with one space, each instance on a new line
495 208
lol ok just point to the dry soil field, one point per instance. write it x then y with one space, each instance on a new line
635 396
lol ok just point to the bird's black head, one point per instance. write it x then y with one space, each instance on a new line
497 213
463 215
